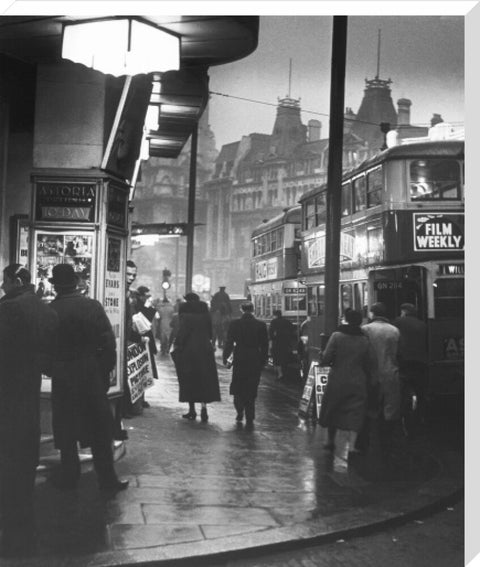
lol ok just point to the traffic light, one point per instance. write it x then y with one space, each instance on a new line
166 279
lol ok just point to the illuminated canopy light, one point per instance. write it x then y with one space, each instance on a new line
123 46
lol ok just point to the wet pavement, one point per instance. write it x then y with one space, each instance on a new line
202 492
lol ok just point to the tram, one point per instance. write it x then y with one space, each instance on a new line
275 283
402 240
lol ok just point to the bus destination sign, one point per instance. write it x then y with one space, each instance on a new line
438 232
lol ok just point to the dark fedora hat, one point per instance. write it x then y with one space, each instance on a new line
63 275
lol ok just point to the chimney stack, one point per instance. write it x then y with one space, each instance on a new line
314 130
436 119
403 105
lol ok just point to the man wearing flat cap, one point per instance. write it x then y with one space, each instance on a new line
86 353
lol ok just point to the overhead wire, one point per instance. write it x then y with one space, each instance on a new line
316 113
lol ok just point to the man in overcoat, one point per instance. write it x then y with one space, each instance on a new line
247 339
27 338
221 312
85 355
413 354
384 338
282 334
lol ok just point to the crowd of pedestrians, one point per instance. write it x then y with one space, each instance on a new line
72 341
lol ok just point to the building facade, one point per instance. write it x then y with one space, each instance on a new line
262 174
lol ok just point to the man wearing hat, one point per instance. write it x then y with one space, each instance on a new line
221 312
247 340
85 355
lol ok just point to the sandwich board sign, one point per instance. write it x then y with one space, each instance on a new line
313 390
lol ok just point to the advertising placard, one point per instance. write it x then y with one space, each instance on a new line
66 247
439 232
114 293
307 394
139 369
65 201
321 379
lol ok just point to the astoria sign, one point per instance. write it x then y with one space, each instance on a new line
65 201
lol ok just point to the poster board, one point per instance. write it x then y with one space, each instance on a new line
308 390
321 379
63 246
313 390
139 369
114 303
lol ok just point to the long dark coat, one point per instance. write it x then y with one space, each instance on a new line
27 340
282 335
85 355
194 356
247 338
344 403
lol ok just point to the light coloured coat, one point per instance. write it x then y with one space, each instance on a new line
384 339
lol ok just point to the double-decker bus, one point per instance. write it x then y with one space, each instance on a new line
275 282
402 240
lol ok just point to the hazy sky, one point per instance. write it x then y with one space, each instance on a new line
423 56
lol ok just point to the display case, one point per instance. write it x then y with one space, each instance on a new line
82 221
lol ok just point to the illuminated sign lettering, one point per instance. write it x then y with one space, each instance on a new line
438 232
451 269
65 201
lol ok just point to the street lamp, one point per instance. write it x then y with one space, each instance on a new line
121 46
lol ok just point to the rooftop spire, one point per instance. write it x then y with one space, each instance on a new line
290 78
378 54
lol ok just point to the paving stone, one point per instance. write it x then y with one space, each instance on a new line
207 515
124 536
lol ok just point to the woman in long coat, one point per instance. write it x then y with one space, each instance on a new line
194 357
344 403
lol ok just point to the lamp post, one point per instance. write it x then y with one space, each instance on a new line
334 175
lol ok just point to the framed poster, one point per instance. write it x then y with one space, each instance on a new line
19 239
114 304
62 247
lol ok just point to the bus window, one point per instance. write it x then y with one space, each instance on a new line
268 306
310 214
374 187
312 301
435 179
359 194
357 297
346 199
321 208
401 285
449 297
346 297
320 299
